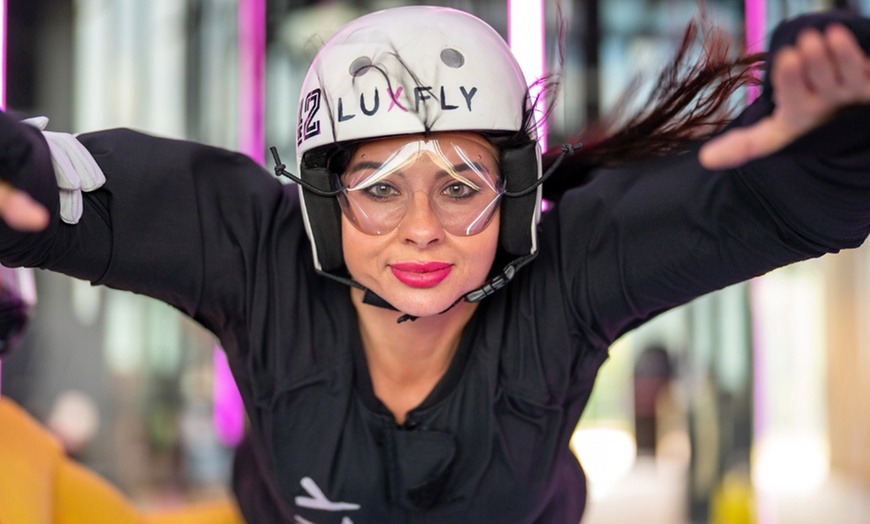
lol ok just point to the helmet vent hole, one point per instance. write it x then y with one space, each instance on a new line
452 58
360 66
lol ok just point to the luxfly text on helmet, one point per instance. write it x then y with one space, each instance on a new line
309 125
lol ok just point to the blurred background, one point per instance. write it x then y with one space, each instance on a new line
748 405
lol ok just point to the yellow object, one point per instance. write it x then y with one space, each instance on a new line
733 500
39 484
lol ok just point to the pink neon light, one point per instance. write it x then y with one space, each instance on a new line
3 11
229 412
756 29
252 78
526 37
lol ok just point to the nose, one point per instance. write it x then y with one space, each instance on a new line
421 225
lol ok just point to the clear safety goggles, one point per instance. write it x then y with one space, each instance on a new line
456 178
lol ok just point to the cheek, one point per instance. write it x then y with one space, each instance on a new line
360 250
351 246
492 247
481 250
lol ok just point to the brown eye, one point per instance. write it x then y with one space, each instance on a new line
381 191
458 191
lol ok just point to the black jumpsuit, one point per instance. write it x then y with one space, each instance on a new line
211 233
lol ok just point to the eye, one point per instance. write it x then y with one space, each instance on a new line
381 191
458 190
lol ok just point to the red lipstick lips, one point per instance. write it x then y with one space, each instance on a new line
421 274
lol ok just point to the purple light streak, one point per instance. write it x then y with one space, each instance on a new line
3 12
756 29
229 414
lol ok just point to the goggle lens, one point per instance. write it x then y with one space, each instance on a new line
458 178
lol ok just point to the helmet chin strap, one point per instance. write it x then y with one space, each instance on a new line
476 295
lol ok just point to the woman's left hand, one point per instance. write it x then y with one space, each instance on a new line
822 73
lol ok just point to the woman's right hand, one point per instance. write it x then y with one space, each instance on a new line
21 212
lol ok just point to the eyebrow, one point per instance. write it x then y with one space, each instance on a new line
458 168
360 166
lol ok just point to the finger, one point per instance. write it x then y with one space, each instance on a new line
796 104
852 64
738 146
21 212
819 66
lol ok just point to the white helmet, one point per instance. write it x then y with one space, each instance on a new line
413 70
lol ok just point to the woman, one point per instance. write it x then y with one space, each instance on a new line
412 340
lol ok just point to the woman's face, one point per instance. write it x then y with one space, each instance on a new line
420 221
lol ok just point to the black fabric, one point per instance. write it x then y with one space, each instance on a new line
249 484
520 169
22 152
211 233
325 215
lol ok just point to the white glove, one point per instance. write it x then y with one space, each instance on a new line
74 168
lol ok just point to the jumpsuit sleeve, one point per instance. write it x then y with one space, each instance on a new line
639 240
175 220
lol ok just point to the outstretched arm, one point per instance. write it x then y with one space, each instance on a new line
644 238
179 221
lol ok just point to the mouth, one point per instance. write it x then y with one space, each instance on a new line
421 274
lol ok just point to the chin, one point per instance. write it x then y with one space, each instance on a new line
422 309
422 304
